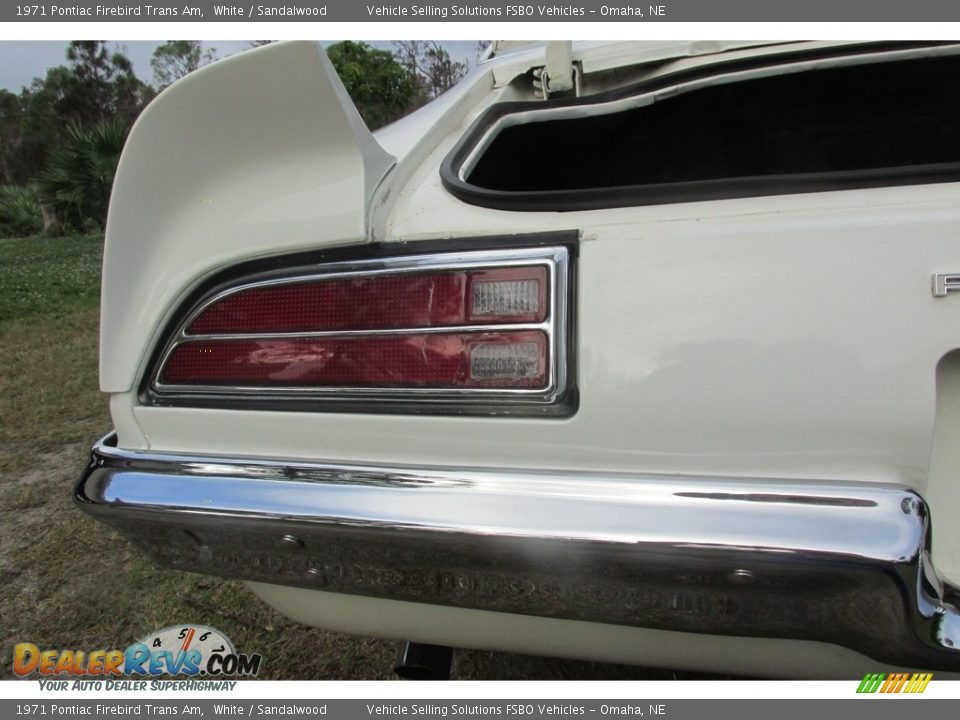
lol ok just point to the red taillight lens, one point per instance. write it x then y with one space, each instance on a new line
385 302
419 328
440 360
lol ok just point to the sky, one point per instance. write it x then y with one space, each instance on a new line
21 61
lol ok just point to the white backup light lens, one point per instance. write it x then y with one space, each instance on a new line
509 295
505 361
506 298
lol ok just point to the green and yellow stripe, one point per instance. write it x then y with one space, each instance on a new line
894 682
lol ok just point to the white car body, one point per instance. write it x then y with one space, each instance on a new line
787 340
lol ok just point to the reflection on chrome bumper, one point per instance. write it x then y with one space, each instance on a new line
846 563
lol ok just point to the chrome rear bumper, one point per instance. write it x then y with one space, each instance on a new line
846 563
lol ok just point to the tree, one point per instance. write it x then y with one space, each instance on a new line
10 117
79 177
435 70
46 106
482 47
175 58
103 84
20 212
381 88
98 85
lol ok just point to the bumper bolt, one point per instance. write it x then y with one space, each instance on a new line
315 577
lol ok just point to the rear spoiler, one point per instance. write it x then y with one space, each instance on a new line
258 154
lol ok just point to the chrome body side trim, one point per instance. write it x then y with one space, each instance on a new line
840 562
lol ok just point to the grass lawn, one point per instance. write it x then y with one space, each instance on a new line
67 581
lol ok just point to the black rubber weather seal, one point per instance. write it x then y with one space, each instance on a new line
596 198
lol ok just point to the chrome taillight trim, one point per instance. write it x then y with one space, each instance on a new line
555 326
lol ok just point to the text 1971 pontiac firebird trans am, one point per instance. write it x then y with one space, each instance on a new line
635 352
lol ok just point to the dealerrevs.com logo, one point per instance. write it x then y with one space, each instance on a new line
894 682
189 650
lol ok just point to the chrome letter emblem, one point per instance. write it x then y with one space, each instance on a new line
944 283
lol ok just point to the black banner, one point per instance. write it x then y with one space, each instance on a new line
487 11
376 709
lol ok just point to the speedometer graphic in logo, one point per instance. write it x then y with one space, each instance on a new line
184 638
190 650
186 649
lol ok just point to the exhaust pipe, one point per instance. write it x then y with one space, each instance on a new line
418 661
